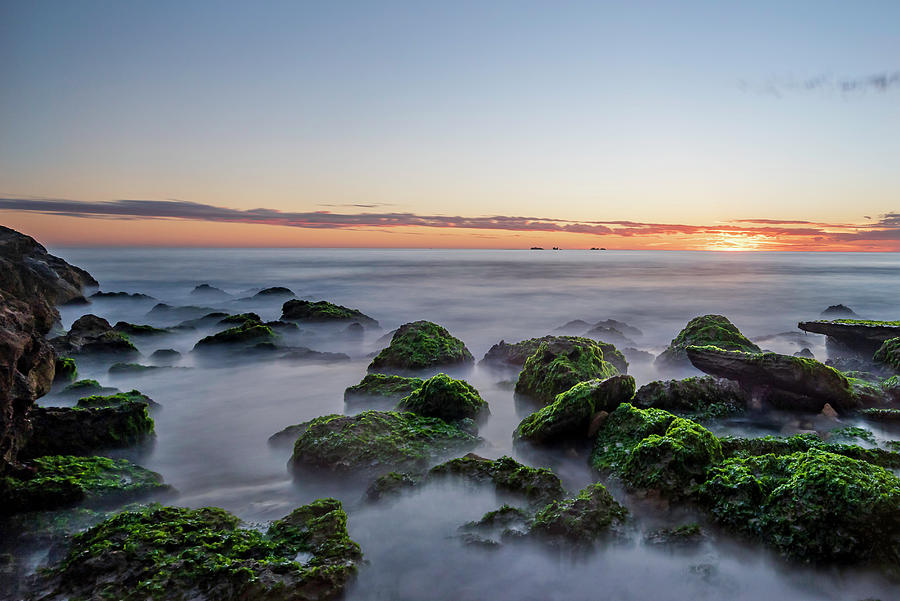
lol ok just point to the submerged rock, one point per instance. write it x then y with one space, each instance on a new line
207 292
778 445
805 353
581 520
381 387
377 442
66 370
559 364
239 319
390 485
421 345
839 311
445 398
186 312
274 292
323 312
301 353
246 334
165 356
515 355
680 537
711 330
62 481
131 369
536 485
702 395
93 335
570 415
132 296
784 381
859 336
178 553
889 354
132 329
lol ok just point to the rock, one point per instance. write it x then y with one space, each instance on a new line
81 388
783 381
507 522
131 369
118 399
376 442
380 388
92 335
571 414
559 364
839 311
702 395
681 537
634 355
274 292
323 312
32 282
90 427
165 356
537 485
622 431
889 354
301 353
881 415
131 329
239 319
178 553
288 436
136 296
390 485
421 345
812 506
207 292
706 330
828 411
574 327
207 320
597 421
579 521
777 445
286 327
514 355
62 481
355 331
188 312
445 398
78 301
609 335
244 335
65 370
855 336
805 353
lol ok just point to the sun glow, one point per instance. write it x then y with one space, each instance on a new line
730 241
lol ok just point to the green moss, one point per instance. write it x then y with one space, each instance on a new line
889 353
537 485
240 318
65 369
712 330
114 400
245 334
506 521
446 398
680 536
569 416
377 441
862 322
581 520
130 329
382 386
61 480
811 506
558 366
622 431
673 463
176 553
133 369
852 433
776 445
390 485
323 311
83 385
881 415
515 354
702 397
420 345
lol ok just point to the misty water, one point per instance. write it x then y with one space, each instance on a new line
212 429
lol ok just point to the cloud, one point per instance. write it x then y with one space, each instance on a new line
883 82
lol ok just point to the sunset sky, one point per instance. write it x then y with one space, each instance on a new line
690 125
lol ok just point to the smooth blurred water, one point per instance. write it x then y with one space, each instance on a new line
214 422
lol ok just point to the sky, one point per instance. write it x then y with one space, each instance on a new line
631 125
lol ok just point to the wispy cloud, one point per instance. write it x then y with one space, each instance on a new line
886 81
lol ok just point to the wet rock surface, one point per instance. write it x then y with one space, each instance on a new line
421 345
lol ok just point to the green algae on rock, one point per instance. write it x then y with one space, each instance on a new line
515 355
706 330
537 485
569 416
375 387
446 398
889 354
246 334
811 506
777 445
132 329
92 335
559 365
377 442
622 431
698 395
579 521
322 312
390 485
61 481
858 336
115 400
184 554
421 345
65 370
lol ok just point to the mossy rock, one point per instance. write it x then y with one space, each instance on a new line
92 335
132 329
889 354
705 396
536 485
323 312
421 345
679 537
377 442
505 522
65 370
118 399
561 364
247 334
579 521
881 415
446 398
706 330
812 506
239 319
132 369
622 431
390 485
62 480
778 445
859 337
381 387
569 416
515 355
181 554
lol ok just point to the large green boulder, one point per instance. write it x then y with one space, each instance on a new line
247 334
706 330
581 520
181 554
503 354
323 312
446 398
569 416
559 365
421 345
377 388
622 431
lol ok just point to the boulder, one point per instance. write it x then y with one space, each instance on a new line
163 311
446 398
559 364
207 292
839 311
179 553
165 356
376 442
381 388
711 330
784 381
131 329
571 414
889 354
579 521
514 355
693 395
537 485
274 292
127 296
245 335
323 312
65 370
421 345
854 336
92 335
